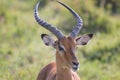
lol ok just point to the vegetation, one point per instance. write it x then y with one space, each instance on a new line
23 54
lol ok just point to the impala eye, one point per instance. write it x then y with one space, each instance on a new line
61 48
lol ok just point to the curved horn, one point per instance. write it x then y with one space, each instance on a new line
49 27
78 27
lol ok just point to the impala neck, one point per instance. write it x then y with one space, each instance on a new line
63 73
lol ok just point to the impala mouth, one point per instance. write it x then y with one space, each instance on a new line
75 68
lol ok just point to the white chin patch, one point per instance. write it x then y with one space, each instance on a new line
75 68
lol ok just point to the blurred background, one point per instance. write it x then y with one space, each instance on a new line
23 54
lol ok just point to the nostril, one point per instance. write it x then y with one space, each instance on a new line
75 63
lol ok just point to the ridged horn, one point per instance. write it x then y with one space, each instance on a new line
43 23
78 27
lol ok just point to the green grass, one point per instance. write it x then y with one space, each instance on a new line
23 54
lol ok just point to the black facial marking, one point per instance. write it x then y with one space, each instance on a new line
61 48
90 35
84 43
78 38
46 44
42 35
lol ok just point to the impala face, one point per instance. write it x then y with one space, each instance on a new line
65 46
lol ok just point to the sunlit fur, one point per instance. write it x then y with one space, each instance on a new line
62 68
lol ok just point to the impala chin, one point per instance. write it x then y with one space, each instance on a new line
75 68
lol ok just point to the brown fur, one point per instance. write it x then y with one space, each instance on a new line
61 69
49 73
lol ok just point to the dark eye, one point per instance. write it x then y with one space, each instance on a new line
61 48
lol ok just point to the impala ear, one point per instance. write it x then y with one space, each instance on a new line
83 40
48 40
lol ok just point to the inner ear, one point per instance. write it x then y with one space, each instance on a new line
48 40
84 39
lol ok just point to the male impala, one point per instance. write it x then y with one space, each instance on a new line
66 61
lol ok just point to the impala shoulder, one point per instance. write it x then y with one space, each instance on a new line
50 66
46 71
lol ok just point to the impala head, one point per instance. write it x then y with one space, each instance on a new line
65 46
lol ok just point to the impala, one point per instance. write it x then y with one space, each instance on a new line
66 63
